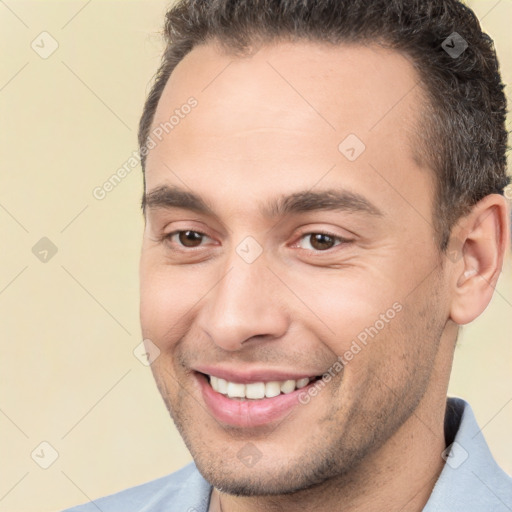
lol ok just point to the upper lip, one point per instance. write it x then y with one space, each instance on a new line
248 375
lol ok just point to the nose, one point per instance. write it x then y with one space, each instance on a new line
246 304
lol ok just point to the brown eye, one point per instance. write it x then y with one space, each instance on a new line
187 238
190 238
320 241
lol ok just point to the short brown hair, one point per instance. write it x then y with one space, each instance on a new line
464 139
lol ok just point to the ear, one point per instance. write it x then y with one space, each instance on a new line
476 251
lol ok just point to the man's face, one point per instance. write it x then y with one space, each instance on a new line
257 294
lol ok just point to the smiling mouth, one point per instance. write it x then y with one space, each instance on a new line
257 390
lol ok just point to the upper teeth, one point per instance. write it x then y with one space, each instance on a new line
256 390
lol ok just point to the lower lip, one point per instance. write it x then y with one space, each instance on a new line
248 413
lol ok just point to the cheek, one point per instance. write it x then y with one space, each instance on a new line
168 297
354 305
161 299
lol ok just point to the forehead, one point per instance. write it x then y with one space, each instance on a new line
282 113
341 85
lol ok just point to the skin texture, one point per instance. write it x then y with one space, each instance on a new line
269 125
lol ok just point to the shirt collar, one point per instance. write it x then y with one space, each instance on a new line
470 481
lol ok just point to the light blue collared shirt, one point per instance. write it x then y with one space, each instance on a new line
470 481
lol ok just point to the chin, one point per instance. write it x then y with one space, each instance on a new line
254 484
274 479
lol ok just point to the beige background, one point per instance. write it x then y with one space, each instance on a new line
69 326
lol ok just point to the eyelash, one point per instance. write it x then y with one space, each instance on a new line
341 240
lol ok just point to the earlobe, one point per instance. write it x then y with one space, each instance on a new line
483 240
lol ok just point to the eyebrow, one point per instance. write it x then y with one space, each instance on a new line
298 202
